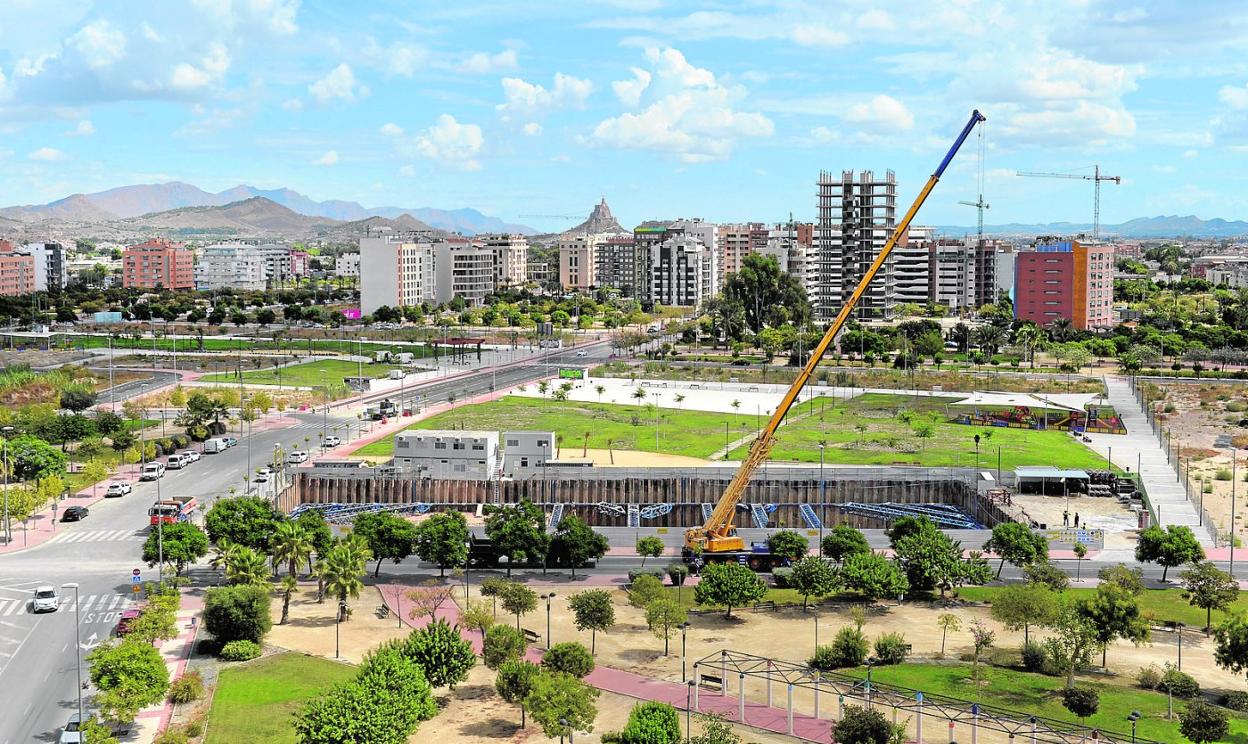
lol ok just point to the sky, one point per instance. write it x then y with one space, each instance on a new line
727 111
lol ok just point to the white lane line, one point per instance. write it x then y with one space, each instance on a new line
8 625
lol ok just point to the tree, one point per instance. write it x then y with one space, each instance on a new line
518 531
1016 543
291 544
183 544
400 689
237 613
1209 588
502 644
730 585
715 730
31 458
477 616
592 610
873 576
348 713
1131 579
344 565
981 640
289 585
247 568
1168 548
555 697
1074 639
77 399
249 521
645 589
947 622
664 617
812 576
388 536
788 545
843 541
651 723
1082 701
577 543
1046 574
130 675
513 682
442 652
649 547
766 295
569 657
861 725
1023 605
1202 722
518 599
1115 613
443 539
931 559
322 537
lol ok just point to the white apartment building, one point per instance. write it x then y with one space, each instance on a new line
277 269
793 256
683 271
954 283
912 267
51 272
578 261
457 455
462 269
856 217
394 272
1003 269
231 265
511 257
347 265
525 453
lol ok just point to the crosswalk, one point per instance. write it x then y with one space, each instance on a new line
86 536
111 602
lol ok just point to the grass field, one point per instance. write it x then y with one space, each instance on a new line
308 374
254 702
885 438
692 433
1163 605
1039 694
337 346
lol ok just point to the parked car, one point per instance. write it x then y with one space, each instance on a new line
332 441
117 489
229 441
72 732
152 471
191 455
74 514
261 477
126 620
45 599
176 461
296 457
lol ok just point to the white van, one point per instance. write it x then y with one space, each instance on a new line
177 461
152 471
214 445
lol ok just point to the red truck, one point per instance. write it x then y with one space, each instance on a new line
172 510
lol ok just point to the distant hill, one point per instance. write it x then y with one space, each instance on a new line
600 221
127 202
254 216
1141 227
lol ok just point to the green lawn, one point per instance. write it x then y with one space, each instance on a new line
308 374
692 433
254 701
301 345
1163 605
887 439
1039 694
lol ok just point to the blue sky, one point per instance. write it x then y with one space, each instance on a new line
717 109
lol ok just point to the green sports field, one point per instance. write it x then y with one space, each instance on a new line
308 374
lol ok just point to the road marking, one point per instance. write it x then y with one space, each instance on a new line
8 625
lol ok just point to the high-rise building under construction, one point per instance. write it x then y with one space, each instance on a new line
857 213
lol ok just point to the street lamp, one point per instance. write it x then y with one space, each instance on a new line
342 607
571 735
467 565
548 597
689 712
77 641
8 531
505 562
684 630
823 509
1133 718
871 662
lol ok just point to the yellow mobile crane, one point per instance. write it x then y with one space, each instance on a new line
717 539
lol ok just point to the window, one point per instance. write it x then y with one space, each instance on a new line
513 442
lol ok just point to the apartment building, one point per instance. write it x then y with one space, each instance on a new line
794 256
954 282
857 213
1003 270
156 264
231 266
17 271
1066 279
463 269
458 455
347 265
526 453
511 257
394 271
913 267
738 241
578 261
51 272
616 265
683 271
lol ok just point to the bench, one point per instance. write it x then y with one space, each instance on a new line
531 637
712 681
768 605
383 612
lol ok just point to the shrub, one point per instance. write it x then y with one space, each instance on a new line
233 613
1236 700
652 723
677 573
891 648
172 736
1082 701
1207 486
848 649
781 576
1047 574
1223 474
195 728
1236 406
655 572
570 657
645 590
208 647
186 689
864 726
1033 656
1178 684
240 650
503 643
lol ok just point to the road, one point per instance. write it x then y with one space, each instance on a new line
37 661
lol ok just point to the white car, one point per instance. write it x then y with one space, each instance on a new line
117 489
261 477
190 455
45 599
297 457
332 441
72 733
582 353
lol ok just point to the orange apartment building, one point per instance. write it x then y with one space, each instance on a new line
17 271
158 263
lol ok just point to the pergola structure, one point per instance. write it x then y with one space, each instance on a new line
948 714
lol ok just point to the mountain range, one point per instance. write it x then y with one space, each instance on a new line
1140 227
128 202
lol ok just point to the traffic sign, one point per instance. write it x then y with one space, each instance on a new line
135 572
136 580
136 588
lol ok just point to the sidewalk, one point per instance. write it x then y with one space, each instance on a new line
155 719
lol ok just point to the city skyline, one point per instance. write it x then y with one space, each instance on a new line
726 112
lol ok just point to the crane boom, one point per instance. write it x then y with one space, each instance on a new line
1095 178
718 534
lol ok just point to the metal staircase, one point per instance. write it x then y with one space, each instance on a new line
944 515
707 510
634 515
759 514
556 515
810 517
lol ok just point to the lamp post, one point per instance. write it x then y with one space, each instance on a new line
571 734
688 712
342 607
823 509
548 597
8 531
77 642
870 694
1133 718
505 562
684 630
1179 627
467 565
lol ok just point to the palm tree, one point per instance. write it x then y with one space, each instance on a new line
223 555
989 338
343 568
1031 337
319 572
639 394
292 545
600 390
289 584
1061 329
679 398
248 568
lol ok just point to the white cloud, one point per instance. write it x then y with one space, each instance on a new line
47 154
390 129
819 36
150 33
292 104
99 44
1087 124
210 70
399 58
688 112
407 170
823 135
530 98
450 141
482 63
279 16
339 84
532 129
881 113
876 20
329 158
1234 96
1190 153
629 91
84 128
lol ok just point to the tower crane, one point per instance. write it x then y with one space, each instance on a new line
717 537
979 203
1096 179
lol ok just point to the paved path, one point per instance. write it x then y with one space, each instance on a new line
1139 449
